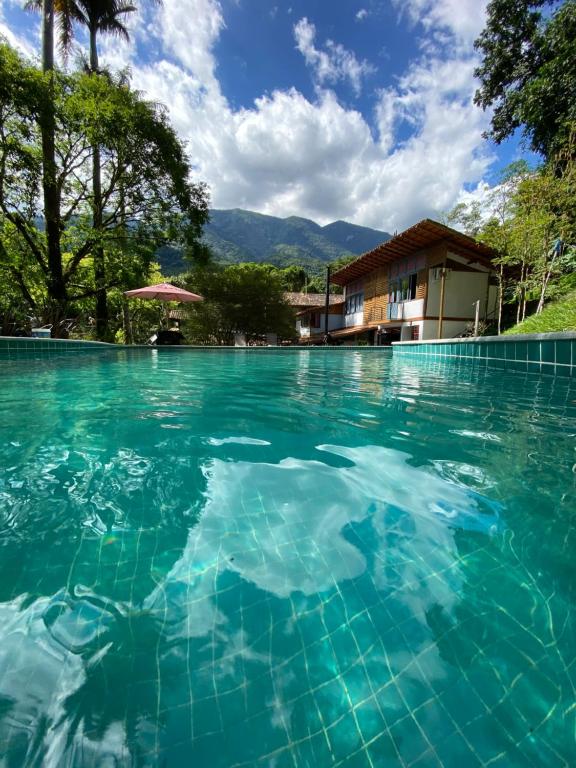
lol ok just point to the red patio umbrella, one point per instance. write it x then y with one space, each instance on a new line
164 292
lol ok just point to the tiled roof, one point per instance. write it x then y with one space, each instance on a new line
296 299
322 307
422 235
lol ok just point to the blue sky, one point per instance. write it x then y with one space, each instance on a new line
350 109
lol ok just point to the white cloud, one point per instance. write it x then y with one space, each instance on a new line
462 20
188 33
361 15
23 42
289 155
333 64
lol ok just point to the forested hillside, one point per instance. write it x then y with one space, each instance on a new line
239 236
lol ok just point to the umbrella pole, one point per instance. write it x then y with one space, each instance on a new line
128 336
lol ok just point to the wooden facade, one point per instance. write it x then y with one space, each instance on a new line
376 296
415 285
376 291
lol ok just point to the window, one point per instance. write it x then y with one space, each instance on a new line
402 289
354 303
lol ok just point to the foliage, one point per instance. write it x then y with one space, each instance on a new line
341 262
236 236
532 226
241 298
528 70
559 315
149 198
293 278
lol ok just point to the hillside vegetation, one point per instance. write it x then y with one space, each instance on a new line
237 235
558 315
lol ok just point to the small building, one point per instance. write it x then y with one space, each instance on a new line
311 322
310 311
424 283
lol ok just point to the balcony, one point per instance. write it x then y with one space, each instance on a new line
405 310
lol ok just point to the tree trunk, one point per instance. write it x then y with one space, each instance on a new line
98 252
522 293
546 279
48 35
500 298
523 304
56 285
97 216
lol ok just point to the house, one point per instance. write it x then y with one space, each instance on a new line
310 311
311 322
427 282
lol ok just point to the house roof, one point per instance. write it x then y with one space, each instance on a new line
296 299
338 302
422 235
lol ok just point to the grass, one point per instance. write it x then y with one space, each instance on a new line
558 315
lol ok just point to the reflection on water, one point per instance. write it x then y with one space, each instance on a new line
300 559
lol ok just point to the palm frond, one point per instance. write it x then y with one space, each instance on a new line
66 14
114 27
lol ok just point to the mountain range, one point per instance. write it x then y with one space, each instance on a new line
237 235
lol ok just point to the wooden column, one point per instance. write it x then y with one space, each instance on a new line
327 304
442 291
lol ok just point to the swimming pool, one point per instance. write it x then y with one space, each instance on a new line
287 558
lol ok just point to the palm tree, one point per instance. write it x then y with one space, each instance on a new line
97 16
56 284
100 16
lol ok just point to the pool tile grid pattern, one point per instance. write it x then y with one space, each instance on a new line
444 651
19 348
550 356
362 695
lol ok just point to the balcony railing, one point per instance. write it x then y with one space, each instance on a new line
404 310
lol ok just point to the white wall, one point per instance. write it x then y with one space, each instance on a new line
462 290
335 322
414 308
450 329
405 333
465 289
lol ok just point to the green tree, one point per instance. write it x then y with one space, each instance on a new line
50 187
528 70
529 219
241 298
148 196
98 16
293 278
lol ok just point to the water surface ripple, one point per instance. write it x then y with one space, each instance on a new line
293 558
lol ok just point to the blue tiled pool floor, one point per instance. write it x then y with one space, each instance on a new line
307 559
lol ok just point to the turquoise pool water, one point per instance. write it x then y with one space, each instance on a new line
293 558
